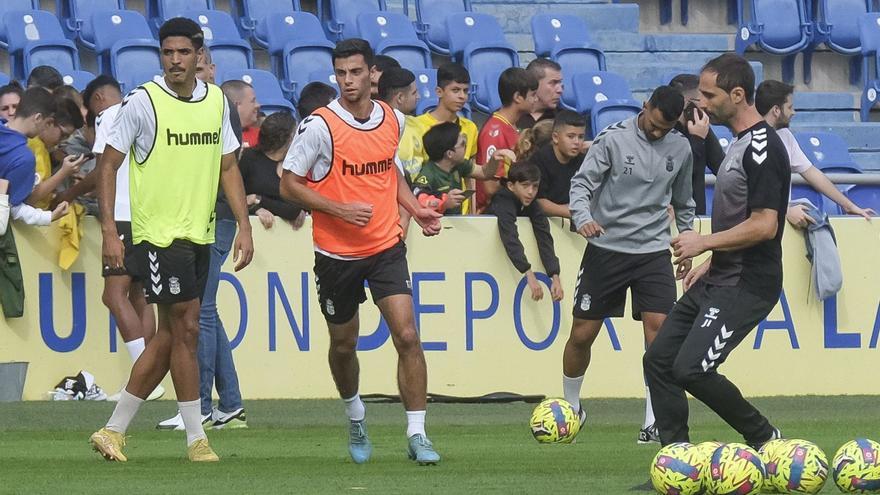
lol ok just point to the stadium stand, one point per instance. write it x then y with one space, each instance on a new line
780 27
14 6
393 34
76 17
590 88
869 36
431 21
77 78
228 50
426 83
866 196
266 86
838 29
609 112
35 38
341 16
159 11
4 79
827 152
250 13
297 48
125 47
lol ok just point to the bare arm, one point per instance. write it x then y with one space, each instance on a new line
821 183
69 166
233 187
761 226
113 252
552 209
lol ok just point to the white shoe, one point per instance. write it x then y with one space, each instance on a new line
157 393
231 420
176 423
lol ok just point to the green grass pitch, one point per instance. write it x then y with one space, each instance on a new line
299 446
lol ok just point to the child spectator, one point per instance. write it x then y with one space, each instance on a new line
10 96
439 180
453 87
516 87
67 119
533 139
516 198
559 160
261 172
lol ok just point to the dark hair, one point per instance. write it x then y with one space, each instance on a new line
354 46
36 100
513 81
275 130
45 76
771 93
685 82
67 112
68 91
523 172
539 66
97 83
451 72
732 72
669 101
12 88
186 28
393 80
569 117
534 138
440 139
383 62
314 96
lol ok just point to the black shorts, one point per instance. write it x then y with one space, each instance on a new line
130 263
605 276
341 283
176 273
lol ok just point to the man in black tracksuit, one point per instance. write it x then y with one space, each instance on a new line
728 295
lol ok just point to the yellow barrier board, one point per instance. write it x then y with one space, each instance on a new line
481 331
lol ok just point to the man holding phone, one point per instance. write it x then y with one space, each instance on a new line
436 185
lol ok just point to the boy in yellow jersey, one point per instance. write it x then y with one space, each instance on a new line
343 167
453 88
182 146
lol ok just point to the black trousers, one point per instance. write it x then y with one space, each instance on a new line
705 325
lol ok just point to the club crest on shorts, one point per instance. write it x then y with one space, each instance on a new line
669 164
174 285
585 302
328 306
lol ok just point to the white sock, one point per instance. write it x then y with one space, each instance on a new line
649 410
415 423
354 408
135 348
571 390
191 412
125 411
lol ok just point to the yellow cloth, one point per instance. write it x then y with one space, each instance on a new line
44 166
420 126
71 232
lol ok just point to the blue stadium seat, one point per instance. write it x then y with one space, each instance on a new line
228 50
77 78
610 112
864 195
710 197
725 137
780 27
802 191
837 26
324 76
393 34
125 46
14 6
159 11
477 41
340 17
827 152
869 35
426 83
297 47
35 38
429 104
76 16
4 79
266 86
590 88
250 13
431 21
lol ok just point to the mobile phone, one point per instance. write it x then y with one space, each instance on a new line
689 111
468 193
89 155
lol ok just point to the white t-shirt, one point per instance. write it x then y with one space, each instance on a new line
135 123
799 161
104 124
311 154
